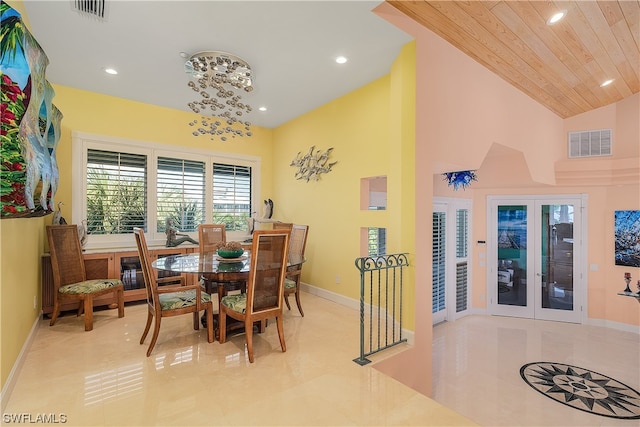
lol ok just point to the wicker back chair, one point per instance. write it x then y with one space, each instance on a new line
297 246
170 300
70 277
265 287
210 235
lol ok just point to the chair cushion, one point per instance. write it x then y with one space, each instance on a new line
237 302
289 284
182 299
89 286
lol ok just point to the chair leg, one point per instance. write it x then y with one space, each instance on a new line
196 320
279 323
298 302
209 312
120 298
147 327
56 311
88 312
286 300
222 325
154 338
248 331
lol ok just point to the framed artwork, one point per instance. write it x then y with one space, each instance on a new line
627 238
30 123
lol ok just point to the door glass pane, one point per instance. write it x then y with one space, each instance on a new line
557 256
512 255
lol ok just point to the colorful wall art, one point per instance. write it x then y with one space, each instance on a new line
627 238
30 123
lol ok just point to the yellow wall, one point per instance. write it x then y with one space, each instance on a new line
371 132
21 243
331 206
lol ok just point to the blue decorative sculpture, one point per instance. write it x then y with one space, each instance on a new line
460 179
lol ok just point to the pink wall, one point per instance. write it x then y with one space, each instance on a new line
468 118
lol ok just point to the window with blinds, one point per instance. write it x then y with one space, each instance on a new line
181 193
377 241
232 196
116 195
439 261
125 184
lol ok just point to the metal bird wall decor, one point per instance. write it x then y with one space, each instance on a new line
313 164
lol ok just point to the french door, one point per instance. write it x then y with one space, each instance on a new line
534 257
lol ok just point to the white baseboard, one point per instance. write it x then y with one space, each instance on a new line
351 303
13 375
614 325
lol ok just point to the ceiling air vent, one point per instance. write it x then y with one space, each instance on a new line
93 8
591 143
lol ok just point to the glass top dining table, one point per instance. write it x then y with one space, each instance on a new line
212 266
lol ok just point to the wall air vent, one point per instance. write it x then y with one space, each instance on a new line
591 143
91 8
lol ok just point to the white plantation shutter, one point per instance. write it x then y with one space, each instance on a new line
181 193
439 261
232 196
116 194
462 258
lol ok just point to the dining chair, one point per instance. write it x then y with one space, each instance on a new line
265 287
170 300
209 235
70 281
282 225
297 245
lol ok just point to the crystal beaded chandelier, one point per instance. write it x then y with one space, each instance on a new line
219 78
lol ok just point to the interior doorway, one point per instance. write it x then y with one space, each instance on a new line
451 264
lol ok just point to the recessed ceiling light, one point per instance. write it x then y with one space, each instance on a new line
262 108
606 83
110 71
556 17
341 60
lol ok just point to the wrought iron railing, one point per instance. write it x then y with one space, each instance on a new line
380 303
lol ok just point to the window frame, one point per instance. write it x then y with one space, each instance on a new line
82 142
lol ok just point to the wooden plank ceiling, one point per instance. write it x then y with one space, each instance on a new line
562 65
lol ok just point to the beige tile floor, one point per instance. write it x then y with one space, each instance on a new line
103 377
477 361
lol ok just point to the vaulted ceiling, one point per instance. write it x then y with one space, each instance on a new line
291 46
561 65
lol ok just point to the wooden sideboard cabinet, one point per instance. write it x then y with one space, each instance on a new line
123 265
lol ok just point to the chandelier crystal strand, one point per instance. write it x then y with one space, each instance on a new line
219 78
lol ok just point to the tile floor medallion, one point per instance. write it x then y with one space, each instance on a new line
583 389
